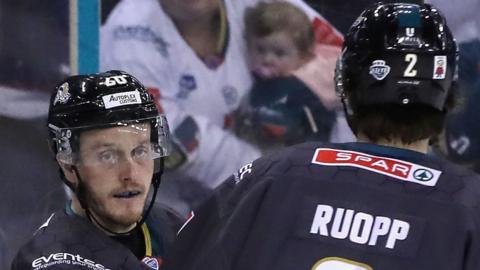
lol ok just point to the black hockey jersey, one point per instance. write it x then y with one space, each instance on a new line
67 241
348 206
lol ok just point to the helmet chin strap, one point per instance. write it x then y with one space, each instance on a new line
79 190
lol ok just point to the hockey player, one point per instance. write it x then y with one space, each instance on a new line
380 203
192 55
110 142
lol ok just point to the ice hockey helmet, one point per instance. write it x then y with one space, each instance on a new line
107 99
398 53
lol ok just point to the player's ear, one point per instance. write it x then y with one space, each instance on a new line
69 172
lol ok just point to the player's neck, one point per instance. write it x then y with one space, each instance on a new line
202 34
419 146
200 26
204 43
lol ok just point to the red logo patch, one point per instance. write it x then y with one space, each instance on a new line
388 166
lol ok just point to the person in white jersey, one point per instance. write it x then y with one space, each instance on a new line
192 56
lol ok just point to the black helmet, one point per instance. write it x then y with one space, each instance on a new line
398 53
280 112
113 98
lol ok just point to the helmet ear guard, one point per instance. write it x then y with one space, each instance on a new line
61 144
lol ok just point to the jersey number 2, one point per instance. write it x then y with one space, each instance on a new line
411 59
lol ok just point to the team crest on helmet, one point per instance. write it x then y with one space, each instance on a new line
63 94
379 69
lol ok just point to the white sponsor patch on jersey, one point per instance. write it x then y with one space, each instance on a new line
396 168
60 259
121 99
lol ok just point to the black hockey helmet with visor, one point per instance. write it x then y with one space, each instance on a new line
110 99
398 54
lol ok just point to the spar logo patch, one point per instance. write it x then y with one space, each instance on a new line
395 168
379 69
423 175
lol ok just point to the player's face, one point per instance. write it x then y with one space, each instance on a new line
274 55
116 168
191 9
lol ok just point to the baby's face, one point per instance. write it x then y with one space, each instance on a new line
274 55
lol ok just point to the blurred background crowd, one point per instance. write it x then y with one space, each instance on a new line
236 80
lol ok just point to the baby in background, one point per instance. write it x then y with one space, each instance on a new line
279 37
287 50
281 42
